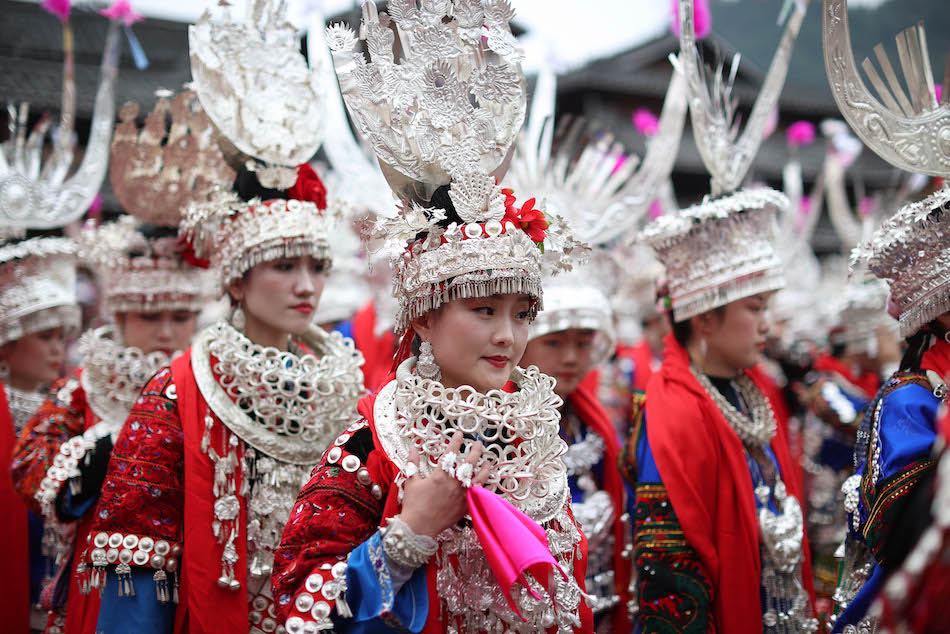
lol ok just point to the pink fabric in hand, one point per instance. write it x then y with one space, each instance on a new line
514 544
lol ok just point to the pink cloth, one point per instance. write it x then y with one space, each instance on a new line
514 544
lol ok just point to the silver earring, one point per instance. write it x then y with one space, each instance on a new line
237 319
426 366
4 371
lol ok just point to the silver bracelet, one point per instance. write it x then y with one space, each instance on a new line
404 547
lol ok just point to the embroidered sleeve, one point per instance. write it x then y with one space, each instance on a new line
900 458
58 419
137 521
330 571
674 592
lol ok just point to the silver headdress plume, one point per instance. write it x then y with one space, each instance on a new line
446 112
172 161
257 88
907 129
582 173
42 194
727 154
452 106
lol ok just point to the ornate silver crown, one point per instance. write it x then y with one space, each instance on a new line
912 253
236 235
719 251
903 128
42 194
907 129
143 274
446 113
37 287
257 88
172 161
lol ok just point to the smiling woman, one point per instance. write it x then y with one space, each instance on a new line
400 551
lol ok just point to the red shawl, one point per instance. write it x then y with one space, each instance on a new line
392 507
937 359
377 349
584 402
14 534
703 465
204 608
869 383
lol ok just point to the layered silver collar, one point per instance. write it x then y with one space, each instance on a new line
113 374
519 429
23 404
288 406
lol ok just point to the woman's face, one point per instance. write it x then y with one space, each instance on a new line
565 355
279 298
477 342
35 359
736 336
165 331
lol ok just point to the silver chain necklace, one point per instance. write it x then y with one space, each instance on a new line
755 429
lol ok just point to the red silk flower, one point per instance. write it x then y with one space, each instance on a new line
188 254
530 220
309 187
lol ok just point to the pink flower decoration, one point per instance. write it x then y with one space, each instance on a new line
645 122
702 18
121 11
656 210
59 8
866 207
800 133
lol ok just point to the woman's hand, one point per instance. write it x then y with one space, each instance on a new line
437 501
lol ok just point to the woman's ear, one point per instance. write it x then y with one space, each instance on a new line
236 290
704 323
423 325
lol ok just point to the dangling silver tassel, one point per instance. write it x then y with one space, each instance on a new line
123 573
161 586
206 436
174 588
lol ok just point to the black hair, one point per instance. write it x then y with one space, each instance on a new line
917 345
683 330
248 187
34 233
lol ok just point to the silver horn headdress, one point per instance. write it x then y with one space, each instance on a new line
41 194
722 249
910 130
